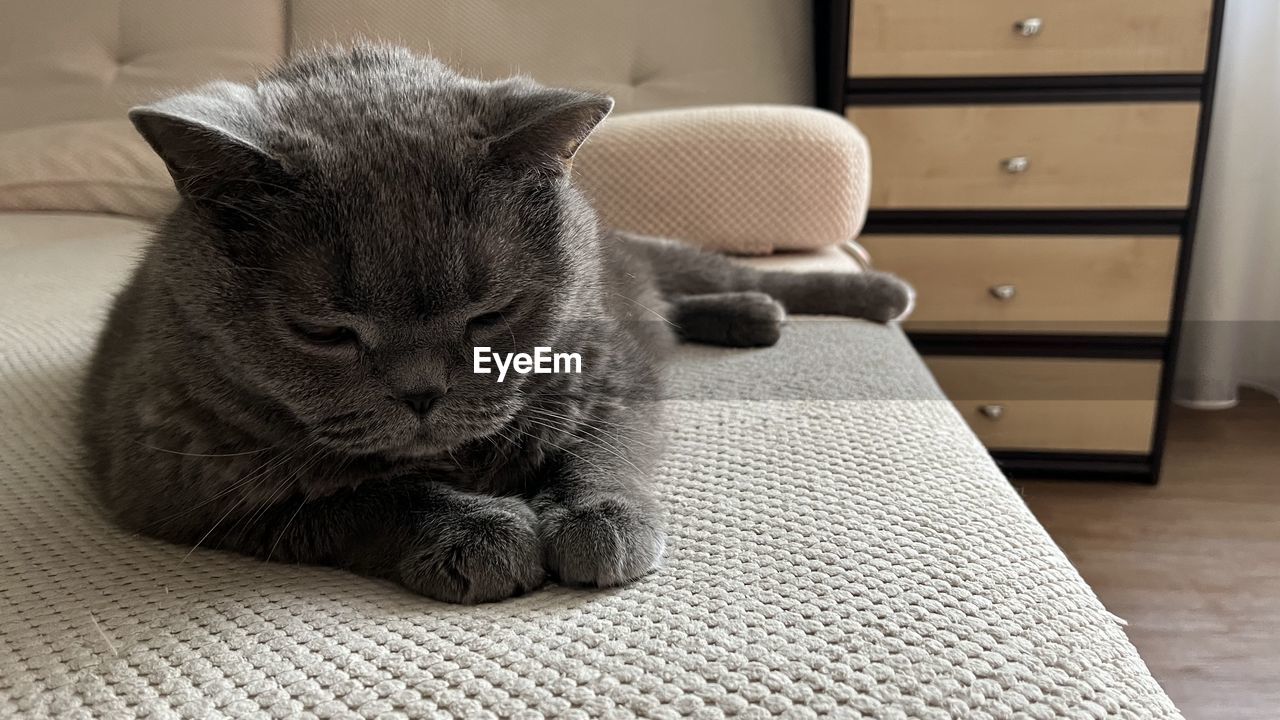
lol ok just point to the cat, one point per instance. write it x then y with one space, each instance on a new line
287 374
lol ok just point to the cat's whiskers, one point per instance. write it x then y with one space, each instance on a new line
247 520
280 493
253 268
593 442
509 330
202 455
454 458
209 532
338 468
651 310
260 477
558 447
285 529
238 484
596 424
605 429
499 447
511 442
594 436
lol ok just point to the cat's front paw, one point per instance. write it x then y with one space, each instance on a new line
605 542
886 297
479 554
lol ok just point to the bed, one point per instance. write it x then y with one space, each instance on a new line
841 543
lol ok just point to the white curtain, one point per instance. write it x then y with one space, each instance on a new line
1232 332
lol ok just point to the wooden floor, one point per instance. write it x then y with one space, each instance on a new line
1194 563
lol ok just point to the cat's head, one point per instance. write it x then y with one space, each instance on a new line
354 224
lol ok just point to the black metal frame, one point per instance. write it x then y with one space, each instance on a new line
996 94
1026 222
835 91
1115 347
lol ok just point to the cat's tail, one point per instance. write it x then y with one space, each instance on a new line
681 271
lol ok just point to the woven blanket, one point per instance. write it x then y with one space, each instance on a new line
841 545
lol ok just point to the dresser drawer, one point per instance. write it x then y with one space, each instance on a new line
1088 155
939 38
1054 404
1054 284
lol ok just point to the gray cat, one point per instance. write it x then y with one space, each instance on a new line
289 372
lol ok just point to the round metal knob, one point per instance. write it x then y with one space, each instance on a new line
991 412
1029 27
1016 164
1003 292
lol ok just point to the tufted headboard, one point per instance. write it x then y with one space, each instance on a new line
648 54
71 60
70 69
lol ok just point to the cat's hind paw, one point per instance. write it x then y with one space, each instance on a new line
730 319
886 298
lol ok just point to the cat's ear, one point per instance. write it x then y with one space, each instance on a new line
206 140
548 125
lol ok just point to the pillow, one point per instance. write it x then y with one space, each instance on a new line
741 179
88 166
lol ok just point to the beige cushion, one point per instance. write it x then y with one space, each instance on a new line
740 179
835 258
648 54
87 165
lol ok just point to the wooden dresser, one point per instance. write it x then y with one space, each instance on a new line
1036 172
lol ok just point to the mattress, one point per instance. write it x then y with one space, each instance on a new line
841 545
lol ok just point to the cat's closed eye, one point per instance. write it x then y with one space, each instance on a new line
326 334
484 321
488 319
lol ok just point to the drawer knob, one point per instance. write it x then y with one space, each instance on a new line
1003 292
1016 165
1029 27
991 412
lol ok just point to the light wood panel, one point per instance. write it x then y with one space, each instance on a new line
1054 404
1081 155
1192 564
939 38
1063 284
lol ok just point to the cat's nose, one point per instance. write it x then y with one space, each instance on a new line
423 400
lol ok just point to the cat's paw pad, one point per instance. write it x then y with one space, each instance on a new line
607 542
486 553
887 297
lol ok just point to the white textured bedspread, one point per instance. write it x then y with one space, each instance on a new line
841 545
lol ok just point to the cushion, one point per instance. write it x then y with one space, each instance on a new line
840 544
87 165
746 179
846 258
